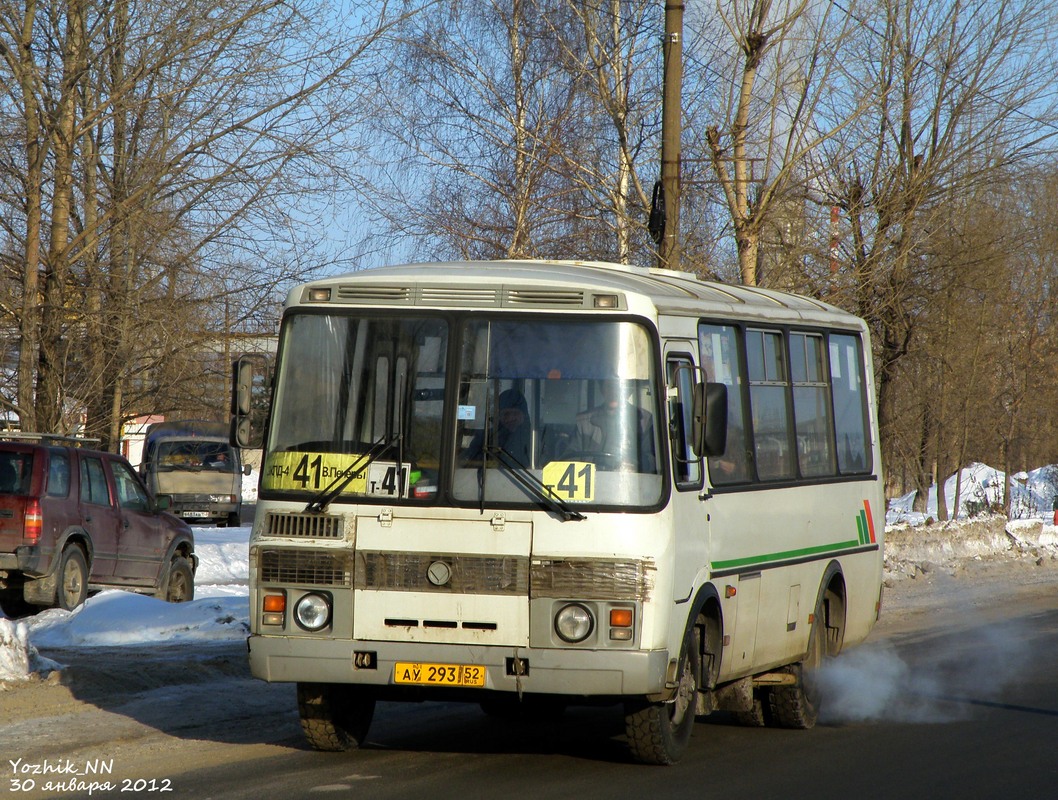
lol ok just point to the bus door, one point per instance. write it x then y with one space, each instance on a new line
737 518
690 515
696 513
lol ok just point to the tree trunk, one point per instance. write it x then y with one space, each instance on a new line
53 343
36 151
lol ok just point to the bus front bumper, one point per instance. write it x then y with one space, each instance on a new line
545 671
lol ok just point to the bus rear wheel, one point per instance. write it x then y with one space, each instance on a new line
797 706
658 733
334 717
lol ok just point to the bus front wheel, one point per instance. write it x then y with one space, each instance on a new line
658 733
334 717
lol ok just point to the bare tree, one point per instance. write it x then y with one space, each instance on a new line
612 50
957 98
475 112
177 152
776 102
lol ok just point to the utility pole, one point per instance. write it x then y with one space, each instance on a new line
671 123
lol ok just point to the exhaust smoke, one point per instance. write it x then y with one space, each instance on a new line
932 681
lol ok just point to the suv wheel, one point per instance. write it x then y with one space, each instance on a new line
73 579
179 584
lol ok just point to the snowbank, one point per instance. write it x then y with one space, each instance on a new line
114 618
222 558
18 658
910 551
117 618
1032 496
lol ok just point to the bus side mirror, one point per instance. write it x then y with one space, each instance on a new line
710 419
248 406
242 387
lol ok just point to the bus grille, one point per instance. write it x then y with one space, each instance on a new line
457 296
305 567
366 293
549 297
409 572
592 580
463 296
309 526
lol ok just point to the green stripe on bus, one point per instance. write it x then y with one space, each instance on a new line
783 556
861 526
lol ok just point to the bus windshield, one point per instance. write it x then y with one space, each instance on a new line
537 412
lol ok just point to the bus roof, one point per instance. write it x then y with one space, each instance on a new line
570 285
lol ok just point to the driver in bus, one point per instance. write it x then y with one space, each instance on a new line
617 428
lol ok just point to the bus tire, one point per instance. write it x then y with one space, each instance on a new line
72 585
797 706
334 718
758 716
658 733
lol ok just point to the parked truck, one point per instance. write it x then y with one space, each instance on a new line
192 463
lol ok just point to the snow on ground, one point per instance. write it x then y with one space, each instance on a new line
114 617
220 610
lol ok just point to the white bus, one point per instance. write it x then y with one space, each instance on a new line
528 484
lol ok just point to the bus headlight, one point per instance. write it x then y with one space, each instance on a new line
312 612
574 623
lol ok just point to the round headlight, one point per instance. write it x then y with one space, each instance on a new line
312 612
574 623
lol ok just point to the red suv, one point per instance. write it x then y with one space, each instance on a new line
74 520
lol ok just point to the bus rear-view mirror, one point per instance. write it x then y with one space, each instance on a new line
710 419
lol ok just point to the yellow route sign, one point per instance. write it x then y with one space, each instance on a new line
571 481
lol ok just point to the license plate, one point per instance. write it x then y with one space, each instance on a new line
439 674
196 514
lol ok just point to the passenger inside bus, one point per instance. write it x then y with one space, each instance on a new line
617 428
513 430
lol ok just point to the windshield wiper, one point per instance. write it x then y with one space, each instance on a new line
528 480
486 447
318 503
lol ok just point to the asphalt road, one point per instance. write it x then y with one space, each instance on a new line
951 701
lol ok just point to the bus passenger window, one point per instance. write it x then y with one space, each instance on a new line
767 397
850 417
719 346
811 404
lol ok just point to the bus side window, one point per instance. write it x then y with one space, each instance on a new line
719 348
811 406
768 388
686 467
850 415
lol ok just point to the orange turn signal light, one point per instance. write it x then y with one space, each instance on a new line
621 617
275 603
